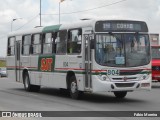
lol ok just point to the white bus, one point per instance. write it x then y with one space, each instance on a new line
88 56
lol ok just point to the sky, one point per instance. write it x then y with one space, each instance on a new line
26 13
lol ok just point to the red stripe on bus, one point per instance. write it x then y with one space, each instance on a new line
135 70
79 69
127 70
69 69
19 67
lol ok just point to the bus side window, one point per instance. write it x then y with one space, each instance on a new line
61 42
26 44
36 44
74 41
11 46
48 43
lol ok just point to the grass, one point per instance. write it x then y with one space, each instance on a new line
2 63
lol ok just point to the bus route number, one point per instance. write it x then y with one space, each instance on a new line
46 64
113 72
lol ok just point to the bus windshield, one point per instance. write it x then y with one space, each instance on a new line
156 52
122 50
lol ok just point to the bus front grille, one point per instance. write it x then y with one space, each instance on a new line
124 84
123 78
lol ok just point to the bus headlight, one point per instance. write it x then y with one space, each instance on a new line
144 77
104 77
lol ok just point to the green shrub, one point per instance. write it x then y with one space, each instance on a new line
2 63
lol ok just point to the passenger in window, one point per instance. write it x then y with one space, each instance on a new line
78 36
134 45
78 42
70 47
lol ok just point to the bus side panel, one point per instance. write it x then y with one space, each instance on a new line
45 79
80 82
34 74
26 64
52 78
57 80
11 68
60 72
75 64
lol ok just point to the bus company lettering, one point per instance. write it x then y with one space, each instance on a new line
46 64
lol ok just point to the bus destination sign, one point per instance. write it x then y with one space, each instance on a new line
121 26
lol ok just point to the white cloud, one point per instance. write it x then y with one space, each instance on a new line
147 10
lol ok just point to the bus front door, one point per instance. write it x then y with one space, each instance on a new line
17 55
88 63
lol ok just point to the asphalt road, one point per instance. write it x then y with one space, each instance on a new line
13 97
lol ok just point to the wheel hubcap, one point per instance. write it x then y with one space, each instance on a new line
73 87
26 82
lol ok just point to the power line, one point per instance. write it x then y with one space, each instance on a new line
90 9
28 22
5 34
69 13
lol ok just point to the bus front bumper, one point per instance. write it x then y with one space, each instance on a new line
108 86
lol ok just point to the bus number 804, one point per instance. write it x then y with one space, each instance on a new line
113 72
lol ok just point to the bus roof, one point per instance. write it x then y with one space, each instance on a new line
26 31
53 28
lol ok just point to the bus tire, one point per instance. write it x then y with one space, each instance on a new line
120 94
28 87
73 89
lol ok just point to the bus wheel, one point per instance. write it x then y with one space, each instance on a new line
74 92
120 94
28 87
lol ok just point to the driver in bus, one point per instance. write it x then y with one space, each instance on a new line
134 45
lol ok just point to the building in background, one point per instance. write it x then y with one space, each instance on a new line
154 38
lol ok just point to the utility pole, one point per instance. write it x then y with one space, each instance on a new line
59 12
40 14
